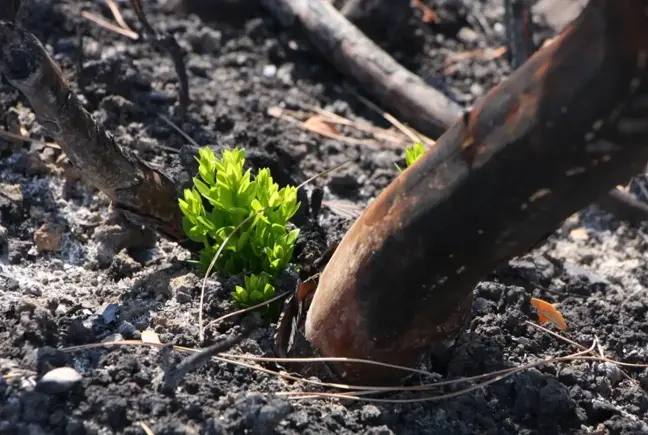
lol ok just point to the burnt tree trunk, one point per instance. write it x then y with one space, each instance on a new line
565 128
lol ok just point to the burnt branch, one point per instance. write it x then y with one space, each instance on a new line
146 196
351 52
519 31
565 128
166 42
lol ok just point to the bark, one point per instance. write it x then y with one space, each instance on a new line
351 52
519 31
561 131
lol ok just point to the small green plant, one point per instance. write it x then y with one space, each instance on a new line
258 288
412 154
222 198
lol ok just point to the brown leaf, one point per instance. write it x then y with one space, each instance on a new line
319 124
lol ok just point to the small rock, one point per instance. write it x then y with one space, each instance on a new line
127 330
48 237
113 238
369 413
108 312
4 244
183 287
59 380
611 371
476 89
11 202
379 430
9 284
149 336
13 192
113 337
206 40
269 71
579 233
467 35
343 183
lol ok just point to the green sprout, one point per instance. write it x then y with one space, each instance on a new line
258 288
222 198
412 154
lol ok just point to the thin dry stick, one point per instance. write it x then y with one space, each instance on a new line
228 358
147 430
178 129
410 133
580 346
245 310
109 26
572 357
20 138
118 16
501 374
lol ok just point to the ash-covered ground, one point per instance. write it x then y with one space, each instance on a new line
103 281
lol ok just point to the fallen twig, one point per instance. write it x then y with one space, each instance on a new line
110 26
173 377
146 196
414 102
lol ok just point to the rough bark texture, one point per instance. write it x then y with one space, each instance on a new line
145 195
346 47
565 128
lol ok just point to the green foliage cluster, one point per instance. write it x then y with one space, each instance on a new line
412 154
263 245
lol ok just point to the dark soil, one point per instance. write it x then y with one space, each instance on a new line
107 282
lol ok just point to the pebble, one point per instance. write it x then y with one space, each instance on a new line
467 35
108 312
476 89
59 380
369 413
611 371
127 330
269 71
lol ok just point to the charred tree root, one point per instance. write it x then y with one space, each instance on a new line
145 196
565 128
351 52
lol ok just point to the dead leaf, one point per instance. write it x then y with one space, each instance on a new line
149 336
319 124
548 313
306 287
